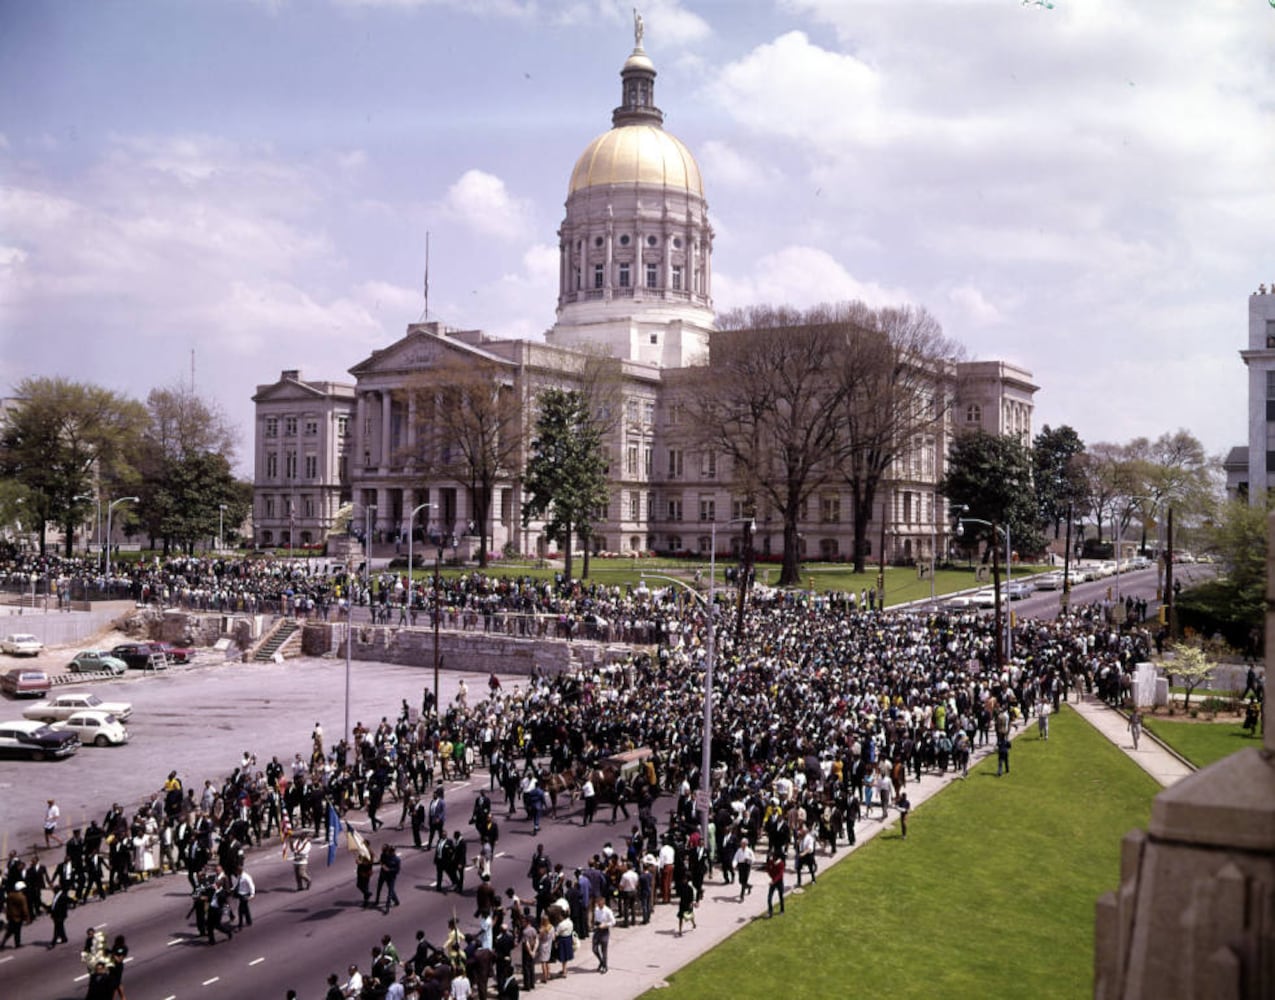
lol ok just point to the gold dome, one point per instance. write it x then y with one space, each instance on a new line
637 154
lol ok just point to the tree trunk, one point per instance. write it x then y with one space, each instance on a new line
790 575
480 497
566 551
862 500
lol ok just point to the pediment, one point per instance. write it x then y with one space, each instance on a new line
419 350
285 391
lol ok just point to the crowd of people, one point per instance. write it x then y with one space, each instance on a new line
824 712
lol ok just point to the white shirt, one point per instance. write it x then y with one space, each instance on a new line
460 988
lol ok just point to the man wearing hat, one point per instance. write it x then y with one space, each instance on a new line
16 913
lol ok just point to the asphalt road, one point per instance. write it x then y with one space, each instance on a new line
199 721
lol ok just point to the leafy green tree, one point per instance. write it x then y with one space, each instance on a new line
1238 537
61 440
1057 474
565 481
185 459
990 476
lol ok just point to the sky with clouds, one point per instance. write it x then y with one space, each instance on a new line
1086 189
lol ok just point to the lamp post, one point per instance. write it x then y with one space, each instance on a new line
440 539
221 513
411 530
706 761
111 507
996 581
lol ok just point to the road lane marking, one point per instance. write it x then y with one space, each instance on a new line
209 982
256 961
80 979
499 854
7 958
174 941
171 996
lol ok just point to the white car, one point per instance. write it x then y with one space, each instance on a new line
1051 581
101 729
21 644
67 703
986 598
1018 589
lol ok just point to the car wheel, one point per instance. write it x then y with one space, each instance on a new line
38 755
48 720
101 741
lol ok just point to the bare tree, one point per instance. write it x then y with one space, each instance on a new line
893 365
770 403
469 428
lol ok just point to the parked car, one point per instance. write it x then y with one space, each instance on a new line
23 682
1051 581
96 661
101 729
986 598
26 738
67 703
1018 589
175 654
140 656
21 644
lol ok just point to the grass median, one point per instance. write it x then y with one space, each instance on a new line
1203 743
992 894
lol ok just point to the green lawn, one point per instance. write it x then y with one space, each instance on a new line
991 895
1202 743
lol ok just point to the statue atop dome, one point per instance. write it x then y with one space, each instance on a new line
639 29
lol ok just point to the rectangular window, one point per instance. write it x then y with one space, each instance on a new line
677 278
907 506
803 509
675 463
675 414
272 427
269 506
675 509
635 506
630 462
290 426
343 469
708 464
506 506
311 427
830 509
597 275
1270 383
272 465
631 411
651 507
342 426
312 466
652 275
648 413
308 505
290 465
707 509
624 276
646 461
737 509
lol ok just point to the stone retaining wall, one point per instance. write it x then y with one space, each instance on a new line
478 652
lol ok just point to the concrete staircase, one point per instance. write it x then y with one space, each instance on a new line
284 639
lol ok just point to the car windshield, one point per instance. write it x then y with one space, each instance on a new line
43 731
92 699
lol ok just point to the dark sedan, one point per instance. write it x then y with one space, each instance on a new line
35 740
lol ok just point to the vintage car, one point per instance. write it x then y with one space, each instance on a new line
21 644
67 703
140 656
96 661
27 738
175 654
101 729
24 682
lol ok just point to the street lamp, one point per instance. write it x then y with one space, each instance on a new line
221 513
411 530
996 581
706 762
111 507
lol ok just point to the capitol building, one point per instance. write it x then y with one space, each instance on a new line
635 284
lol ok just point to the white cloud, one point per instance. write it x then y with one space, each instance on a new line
799 276
482 202
974 304
726 165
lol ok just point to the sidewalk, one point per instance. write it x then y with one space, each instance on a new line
642 957
1152 755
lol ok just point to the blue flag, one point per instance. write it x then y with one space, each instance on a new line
334 831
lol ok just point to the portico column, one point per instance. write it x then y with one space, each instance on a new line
387 408
360 430
411 428
383 520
